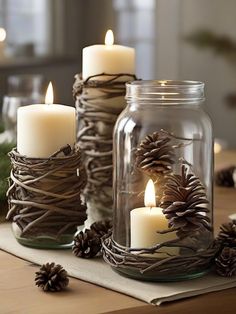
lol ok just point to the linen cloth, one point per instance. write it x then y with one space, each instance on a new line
98 272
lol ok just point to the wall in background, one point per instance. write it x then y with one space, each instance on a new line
177 59
218 74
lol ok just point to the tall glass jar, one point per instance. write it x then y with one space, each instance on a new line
163 166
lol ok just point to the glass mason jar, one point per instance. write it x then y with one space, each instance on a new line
163 166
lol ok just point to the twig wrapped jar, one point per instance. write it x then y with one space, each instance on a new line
99 101
44 198
162 228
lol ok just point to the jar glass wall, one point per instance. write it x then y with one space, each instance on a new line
163 138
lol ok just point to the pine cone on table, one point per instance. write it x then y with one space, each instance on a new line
102 227
224 177
184 202
227 234
87 244
226 262
51 277
155 155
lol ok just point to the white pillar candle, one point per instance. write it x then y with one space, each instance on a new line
146 221
108 58
43 129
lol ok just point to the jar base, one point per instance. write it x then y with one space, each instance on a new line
135 274
40 240
47 243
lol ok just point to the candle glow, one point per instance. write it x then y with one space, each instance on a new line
2 34
149 195
49 94
109 38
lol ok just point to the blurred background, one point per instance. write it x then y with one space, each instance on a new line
174 39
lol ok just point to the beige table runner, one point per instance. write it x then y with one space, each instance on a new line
98 272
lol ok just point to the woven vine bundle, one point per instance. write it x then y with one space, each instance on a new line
99 101
44 194
143 262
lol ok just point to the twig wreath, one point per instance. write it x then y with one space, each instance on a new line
44 193
98 103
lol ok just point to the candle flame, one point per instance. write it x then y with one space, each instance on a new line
49 94
109 38
3 34
149 195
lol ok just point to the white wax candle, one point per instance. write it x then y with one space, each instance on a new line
42 129
108 58
146 221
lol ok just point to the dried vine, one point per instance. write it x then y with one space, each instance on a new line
119 257
44 194
99 101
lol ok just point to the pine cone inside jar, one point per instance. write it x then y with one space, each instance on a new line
224 177
184 203
51 277
155 155
87 244
226 262
102 227
227 234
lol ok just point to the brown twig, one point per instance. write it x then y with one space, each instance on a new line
98 106
45 192
120 257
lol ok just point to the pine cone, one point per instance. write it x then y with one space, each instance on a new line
184 201
87 244
102 227
155 155
226 262
51 277
227 234
224 177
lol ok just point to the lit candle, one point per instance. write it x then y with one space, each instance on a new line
108 58
146 221
2 42
43 129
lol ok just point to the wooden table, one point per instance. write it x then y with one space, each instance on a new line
19 296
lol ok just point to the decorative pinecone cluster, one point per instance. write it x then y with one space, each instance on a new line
184 202
224 177
227 235
102 227
87 244
51 277
155 155
226 262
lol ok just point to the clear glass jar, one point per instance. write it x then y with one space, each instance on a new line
163 135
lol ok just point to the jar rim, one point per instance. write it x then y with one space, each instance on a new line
167 83
166 91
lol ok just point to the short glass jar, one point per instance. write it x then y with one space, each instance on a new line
163 166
